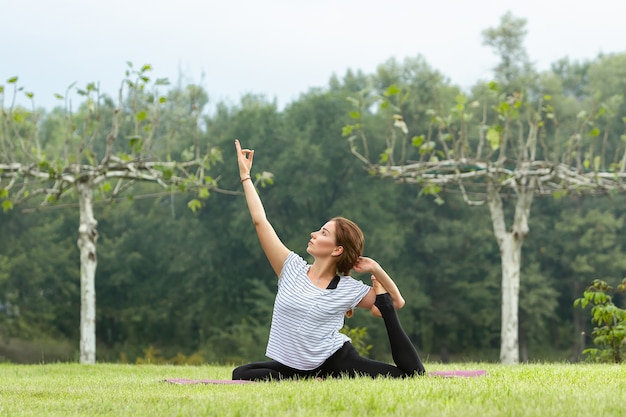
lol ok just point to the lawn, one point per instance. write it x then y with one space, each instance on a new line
137 390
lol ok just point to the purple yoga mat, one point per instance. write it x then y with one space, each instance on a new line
457 374
445 374
184 381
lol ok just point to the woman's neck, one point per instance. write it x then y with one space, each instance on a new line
322 271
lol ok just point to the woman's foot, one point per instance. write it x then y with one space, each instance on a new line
387 286
378 289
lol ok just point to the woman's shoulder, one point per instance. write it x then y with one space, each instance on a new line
351 281
294 258
353 287
294 263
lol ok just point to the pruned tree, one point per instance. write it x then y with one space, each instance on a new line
99 152
501 148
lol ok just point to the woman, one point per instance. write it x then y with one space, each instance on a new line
311 301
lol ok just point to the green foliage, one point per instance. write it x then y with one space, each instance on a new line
38 283
538 305
610 334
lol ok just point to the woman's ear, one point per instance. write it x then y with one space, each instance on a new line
338 251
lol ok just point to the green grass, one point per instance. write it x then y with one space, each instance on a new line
136 390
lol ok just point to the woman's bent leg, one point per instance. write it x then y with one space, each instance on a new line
402 350
347 362
265 371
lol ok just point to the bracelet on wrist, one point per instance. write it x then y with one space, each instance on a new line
244 179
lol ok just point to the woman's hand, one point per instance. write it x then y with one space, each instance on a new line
365 265
244 159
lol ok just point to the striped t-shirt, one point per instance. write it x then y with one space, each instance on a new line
306 319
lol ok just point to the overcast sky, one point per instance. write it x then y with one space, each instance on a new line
281 48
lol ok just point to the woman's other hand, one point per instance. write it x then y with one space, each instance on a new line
244 159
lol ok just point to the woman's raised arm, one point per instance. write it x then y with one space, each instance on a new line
273 247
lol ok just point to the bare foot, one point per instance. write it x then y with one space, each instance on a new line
389 287
378 287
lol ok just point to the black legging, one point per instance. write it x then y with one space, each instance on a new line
347 361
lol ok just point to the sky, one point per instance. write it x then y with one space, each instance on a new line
281 48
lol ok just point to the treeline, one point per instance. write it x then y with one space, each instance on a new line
198 283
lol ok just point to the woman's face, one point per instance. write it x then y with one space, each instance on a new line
323 241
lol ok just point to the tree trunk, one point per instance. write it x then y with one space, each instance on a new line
580 329
510 244
510 251
87 237
523 340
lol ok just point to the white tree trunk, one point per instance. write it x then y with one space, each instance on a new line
510 243
87 237
510 251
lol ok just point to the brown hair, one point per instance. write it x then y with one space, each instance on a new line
350 237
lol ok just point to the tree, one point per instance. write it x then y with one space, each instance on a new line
503 145
514 69
99 151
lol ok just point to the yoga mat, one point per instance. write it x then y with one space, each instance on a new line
444 374
184 381
457 374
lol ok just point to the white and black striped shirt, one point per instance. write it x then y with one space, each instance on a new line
306 319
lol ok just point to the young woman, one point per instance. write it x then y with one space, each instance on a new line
312 299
